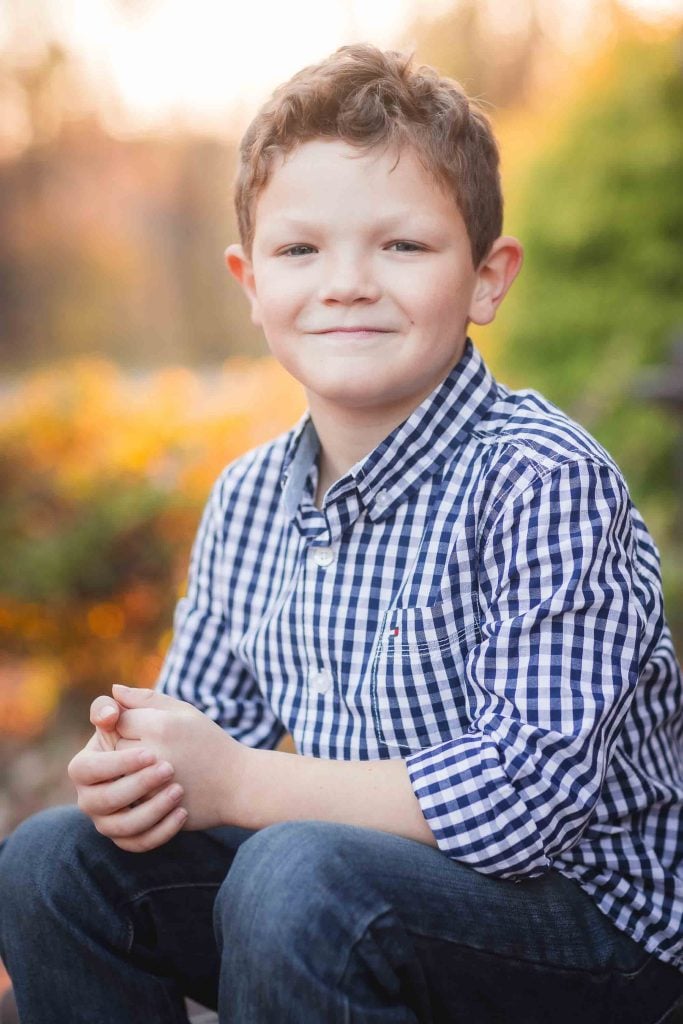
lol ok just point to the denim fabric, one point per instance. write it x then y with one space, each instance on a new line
301 923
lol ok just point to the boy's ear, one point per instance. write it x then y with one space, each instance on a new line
240 266
496 273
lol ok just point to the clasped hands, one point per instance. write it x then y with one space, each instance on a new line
154 766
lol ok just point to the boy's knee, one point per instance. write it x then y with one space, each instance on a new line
293 870
294 899
281 854
33 858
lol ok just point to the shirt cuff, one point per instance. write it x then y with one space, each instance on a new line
474 811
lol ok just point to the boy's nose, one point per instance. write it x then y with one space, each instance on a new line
349 282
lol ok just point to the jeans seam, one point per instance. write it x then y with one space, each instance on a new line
359 938
596 972
674 1005
124 904
386 912
169 1001
168 888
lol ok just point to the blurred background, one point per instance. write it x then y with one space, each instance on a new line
129 371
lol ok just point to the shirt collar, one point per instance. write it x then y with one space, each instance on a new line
301 451
415 450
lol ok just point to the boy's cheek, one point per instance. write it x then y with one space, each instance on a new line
256 315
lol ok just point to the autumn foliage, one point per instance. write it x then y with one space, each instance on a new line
104 476
116 246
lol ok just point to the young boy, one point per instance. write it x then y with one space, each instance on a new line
441 590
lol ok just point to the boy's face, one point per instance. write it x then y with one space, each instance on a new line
361 277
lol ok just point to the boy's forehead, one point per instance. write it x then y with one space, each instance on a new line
299 178
341 154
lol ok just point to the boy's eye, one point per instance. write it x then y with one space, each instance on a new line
404 246
297 250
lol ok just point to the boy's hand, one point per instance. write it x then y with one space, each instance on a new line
129 795
104 715
209 764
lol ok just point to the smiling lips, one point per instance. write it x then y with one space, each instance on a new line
353 330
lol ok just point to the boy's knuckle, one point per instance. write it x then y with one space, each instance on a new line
115 829
75 769
163 728
108 803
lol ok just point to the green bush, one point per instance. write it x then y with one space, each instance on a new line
601 295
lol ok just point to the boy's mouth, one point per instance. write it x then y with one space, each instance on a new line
361 329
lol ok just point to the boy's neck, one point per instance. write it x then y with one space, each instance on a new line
348 433
347 437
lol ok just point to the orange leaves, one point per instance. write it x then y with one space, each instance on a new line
106 621
104 479
87 420
29 693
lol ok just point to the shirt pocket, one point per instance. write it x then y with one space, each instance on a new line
417 691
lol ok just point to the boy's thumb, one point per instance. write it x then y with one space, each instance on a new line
139 697
104 713
107 739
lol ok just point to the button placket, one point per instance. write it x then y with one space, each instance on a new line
323 556
321 680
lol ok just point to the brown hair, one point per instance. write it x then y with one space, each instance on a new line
369 97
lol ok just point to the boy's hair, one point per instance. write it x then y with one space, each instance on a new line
369 97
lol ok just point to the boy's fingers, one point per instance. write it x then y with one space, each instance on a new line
107 738
133 822
110 799
157 836
104 713
90 767
138 697
122 744
93 743
140 722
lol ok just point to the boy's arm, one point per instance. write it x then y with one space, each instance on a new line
371 794
568 613
565 622
200 666
549 684
226 782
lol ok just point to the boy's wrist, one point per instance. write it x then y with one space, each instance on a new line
240 784
266 788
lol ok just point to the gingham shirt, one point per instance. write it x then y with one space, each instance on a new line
478 597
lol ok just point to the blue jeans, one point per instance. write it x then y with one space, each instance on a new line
304 923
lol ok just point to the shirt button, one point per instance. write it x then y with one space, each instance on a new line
323 556
382 499
321 680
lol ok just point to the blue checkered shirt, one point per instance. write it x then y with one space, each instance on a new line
478 597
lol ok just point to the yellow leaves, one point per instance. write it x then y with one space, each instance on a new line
106 621
164 641
33 622
87 420
72 435
29 693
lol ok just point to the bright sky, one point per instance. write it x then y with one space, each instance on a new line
203 59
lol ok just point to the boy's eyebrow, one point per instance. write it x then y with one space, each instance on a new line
287 222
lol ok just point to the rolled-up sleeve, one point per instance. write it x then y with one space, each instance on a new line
201 666
549 681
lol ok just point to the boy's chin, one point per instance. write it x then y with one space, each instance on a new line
366 395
